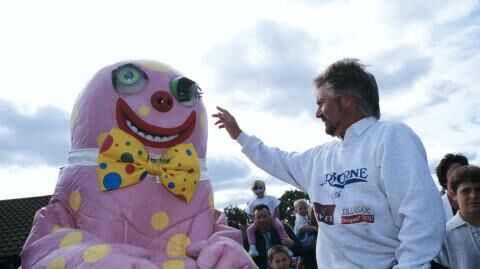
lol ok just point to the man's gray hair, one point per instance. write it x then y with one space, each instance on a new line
348 77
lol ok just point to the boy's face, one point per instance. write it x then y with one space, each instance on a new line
468 198
280 261
301 209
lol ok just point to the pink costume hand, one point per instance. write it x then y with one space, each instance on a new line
219 252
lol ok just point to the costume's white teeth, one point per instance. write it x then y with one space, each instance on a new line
150 137
132 127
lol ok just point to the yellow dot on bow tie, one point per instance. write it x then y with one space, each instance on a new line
177 246
71 239
173 264
96 252
160 220
57 263
75 200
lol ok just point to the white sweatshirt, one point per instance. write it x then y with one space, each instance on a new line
373 195
447 208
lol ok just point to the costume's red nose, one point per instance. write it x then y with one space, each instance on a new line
162 101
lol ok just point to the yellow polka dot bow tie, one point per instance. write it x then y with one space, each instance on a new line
124 161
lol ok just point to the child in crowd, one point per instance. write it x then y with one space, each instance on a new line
303 228
272 203
444 170
278 257
461 248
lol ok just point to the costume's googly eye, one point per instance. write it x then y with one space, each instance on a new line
129 79
185 91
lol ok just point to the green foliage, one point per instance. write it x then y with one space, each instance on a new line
287 212
236 217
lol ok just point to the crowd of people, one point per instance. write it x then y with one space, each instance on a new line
267 231
373 197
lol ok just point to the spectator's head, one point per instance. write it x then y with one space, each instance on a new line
278 257
262 217
258 187
300 207
465 189
446 166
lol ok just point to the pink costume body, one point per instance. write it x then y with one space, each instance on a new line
143 225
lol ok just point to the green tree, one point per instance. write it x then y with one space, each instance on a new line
236 217
287 212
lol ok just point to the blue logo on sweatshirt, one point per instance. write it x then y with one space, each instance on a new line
346 177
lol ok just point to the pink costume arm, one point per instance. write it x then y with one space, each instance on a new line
54 241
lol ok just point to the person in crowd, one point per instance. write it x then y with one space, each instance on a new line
306 233
373 196
279 257
461 247
444 170
259 188
303 229
267 236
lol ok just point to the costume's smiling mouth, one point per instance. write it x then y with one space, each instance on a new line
151 135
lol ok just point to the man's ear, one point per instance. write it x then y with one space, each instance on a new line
348 101
452 194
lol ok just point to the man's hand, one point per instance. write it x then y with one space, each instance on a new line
227 121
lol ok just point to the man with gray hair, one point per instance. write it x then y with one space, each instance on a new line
373 196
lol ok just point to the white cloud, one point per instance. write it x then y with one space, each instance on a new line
17 181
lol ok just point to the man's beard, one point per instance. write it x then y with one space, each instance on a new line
331 127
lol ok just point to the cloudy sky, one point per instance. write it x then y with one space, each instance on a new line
255 58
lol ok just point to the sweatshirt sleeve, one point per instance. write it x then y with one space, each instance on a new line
288 167
414 200
443 258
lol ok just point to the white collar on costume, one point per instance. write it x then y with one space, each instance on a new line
89 156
